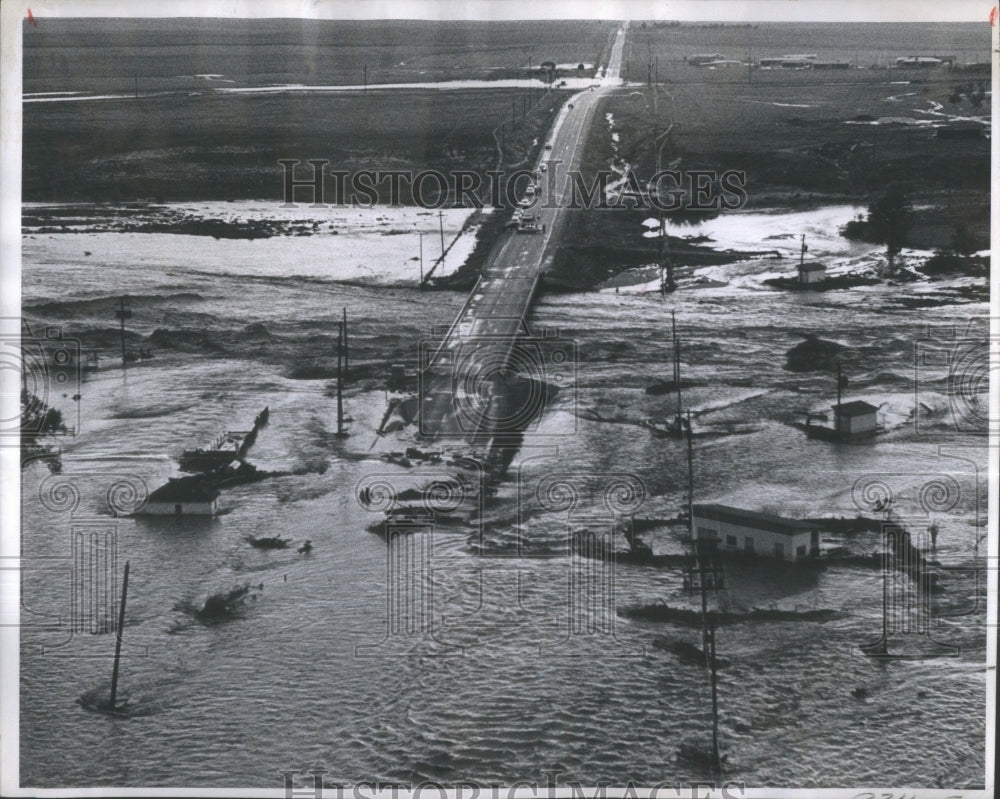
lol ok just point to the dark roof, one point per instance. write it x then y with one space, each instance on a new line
184 489
751 518
856 408
811 267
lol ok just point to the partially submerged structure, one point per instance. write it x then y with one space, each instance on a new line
736 530
183 496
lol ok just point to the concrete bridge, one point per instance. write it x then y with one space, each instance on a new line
462 396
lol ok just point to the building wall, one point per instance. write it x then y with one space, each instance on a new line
852 425
808 276
763 540
187 508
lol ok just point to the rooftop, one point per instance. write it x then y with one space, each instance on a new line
855 408
751 518
811 267
184 489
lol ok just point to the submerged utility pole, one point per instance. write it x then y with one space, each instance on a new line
340 382
118 640
421 286
123 313
347 350
677 370
662 240
714 678
836 411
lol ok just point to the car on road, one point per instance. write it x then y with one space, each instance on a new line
571 106
548 146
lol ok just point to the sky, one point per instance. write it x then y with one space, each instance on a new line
716 10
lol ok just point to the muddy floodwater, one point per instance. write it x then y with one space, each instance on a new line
308 673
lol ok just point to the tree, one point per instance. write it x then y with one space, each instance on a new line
38 423
889 220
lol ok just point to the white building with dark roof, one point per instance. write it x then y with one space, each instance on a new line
184 496
754 533
811 272
855 418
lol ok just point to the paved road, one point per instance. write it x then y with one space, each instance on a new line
460 385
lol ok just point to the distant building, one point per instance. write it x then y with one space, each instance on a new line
185 496
701 59
811 273
754 533
919 61
855 418
796 61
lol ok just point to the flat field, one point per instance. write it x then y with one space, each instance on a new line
110 55
215 146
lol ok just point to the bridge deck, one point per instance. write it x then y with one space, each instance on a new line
483 335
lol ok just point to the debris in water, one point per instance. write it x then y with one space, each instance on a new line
224 605
265 542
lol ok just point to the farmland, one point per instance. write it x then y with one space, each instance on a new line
190 54
228 146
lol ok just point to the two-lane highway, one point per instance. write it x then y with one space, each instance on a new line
457 385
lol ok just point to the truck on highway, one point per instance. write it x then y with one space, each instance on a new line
527 222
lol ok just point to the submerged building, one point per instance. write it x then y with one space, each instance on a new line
811 273
185 496
855 418
754 533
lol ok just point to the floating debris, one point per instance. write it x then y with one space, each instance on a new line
265 542
224 605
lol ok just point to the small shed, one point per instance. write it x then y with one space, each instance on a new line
754 533
185 496
855 418
811 273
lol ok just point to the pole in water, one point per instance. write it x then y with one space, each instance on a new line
118 640
441 225
340 383
123 313
346 350
716 761
836 412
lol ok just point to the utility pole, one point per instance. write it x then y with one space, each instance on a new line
346 348
836 411
118 640
421 287
340 384
441 225
123 313
714 677
677 367
662 240
703 550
